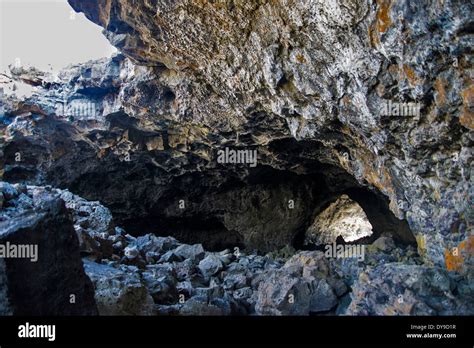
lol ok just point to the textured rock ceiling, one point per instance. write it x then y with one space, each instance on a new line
326 67
303 82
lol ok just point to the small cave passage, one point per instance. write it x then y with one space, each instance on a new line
383 221
343 218
355 216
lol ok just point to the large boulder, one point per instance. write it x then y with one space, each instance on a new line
93 224
46 277
161 282
119 291
210 265
304 285
194 252
283 294
400 289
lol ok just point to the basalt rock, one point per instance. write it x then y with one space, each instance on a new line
324 72
119 291
364 98
386 278
46 278
397 289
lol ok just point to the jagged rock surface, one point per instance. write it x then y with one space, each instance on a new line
118 291
398 289
302 82
37 216
327 68
264 73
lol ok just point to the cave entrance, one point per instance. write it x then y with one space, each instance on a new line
342 221
78 40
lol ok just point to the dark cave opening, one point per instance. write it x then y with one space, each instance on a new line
207 208
210 232
226 206
258 203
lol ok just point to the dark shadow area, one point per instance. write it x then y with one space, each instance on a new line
210 232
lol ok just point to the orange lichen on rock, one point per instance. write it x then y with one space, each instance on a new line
455 258
382 21
300 58
380 179
410 75
440 97
421 243
399 309
467 116
383 15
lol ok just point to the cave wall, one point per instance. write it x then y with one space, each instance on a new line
314 62
196 76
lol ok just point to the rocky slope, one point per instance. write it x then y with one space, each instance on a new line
305 84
